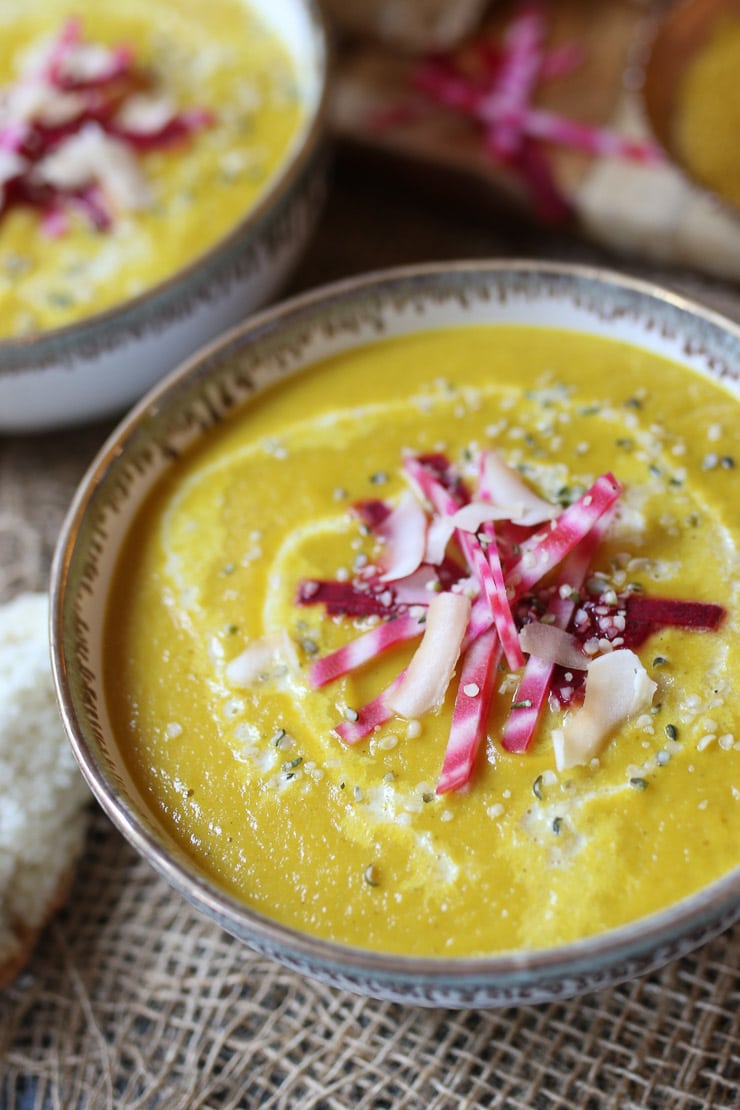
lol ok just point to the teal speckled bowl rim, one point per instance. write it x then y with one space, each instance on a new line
156 305
199 389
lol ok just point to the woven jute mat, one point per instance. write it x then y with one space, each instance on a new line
132 999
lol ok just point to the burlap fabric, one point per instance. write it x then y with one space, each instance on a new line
134 1000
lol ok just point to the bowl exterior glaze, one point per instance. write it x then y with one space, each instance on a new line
279 343
101 364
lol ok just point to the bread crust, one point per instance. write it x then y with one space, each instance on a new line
42 792
28 935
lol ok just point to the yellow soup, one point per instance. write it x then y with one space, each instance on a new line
217 57
353 843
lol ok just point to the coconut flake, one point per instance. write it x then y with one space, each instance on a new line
428 674
468 519
39 100
505 486
439 535
146 113
403 534
617 688
11 165
88 63
552 644
91 155
258 660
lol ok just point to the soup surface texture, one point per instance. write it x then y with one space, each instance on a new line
217 58
353 843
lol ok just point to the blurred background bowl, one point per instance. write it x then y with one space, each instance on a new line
102 363
287 340
678 36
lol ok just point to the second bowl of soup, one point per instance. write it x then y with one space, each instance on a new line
161 168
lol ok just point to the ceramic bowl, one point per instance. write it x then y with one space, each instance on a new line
278 343
101 364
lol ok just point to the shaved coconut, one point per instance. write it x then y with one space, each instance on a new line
13 134
551 643
439 535
617 688
120 176
11 165
59 108
468 519
505 486
428 674
287 651
417 588
42 101
68 166
146 114
91 155
259 660
471 516
86 61
35 59
404 534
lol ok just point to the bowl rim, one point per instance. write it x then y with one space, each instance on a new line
145 308
597 953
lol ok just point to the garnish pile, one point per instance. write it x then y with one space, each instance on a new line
494 83
490 574
73 125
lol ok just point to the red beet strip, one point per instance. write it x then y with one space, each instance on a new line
488 571
646 615
500 602
532 692
518 74
538 557
471 711
362 649
369 717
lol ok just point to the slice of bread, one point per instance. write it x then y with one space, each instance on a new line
42 793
